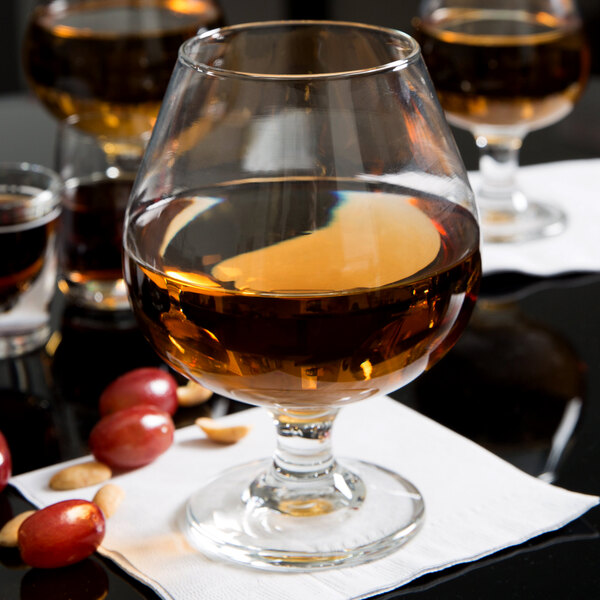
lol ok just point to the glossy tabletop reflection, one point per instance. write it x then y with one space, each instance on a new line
524 383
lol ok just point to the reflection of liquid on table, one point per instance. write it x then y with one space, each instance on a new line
510 384
27 404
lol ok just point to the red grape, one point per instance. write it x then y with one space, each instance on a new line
5 462
132 437
148 385
61 534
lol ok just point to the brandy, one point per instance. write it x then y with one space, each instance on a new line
112 58
504 67
310 314
91 229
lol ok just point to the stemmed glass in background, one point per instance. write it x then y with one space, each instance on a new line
302 235
503 68
103 68
96 190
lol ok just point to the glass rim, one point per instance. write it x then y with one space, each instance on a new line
219 33
25 166
44 203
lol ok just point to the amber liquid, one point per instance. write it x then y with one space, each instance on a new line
504 67
339 296
91 229
23 251
110 58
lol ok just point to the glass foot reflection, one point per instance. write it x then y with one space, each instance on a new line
296 532
109 295
536 221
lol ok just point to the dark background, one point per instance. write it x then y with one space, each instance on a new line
564 139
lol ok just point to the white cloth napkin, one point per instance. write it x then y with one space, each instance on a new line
573 186
476 504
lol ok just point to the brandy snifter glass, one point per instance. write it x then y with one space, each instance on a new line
302 235
112 59
503 68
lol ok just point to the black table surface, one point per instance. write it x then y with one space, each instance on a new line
530 355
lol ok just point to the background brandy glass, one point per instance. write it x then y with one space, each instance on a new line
302 235
98 171
503 68
112 59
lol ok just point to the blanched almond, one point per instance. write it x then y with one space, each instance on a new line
192 394
9 534
81 475
227 434
109 498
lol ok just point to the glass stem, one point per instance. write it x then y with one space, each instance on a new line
304 479
124 156
303 449
498 164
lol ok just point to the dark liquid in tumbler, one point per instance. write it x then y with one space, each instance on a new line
23 250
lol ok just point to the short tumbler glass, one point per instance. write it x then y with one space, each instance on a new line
29 210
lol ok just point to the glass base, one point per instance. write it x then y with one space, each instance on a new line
16 344
97 295
367 513
535 221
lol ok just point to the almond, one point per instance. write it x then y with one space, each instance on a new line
192 394
9 534
228 434
81 475
108 498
